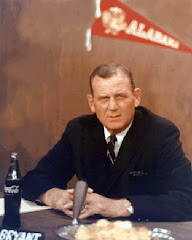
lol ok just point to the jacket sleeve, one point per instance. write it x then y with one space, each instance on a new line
174 173
54 170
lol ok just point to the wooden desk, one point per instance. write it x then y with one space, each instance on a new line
48 221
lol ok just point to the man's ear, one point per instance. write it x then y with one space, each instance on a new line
137 94
91 102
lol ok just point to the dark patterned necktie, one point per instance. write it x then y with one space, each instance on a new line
110 149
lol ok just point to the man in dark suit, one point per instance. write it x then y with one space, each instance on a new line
131 158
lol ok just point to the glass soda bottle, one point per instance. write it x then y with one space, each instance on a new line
12 195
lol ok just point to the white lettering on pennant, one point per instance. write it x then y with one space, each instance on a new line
114 21
138 30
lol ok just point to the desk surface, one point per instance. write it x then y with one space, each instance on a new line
48 221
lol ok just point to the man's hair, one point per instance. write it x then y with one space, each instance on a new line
109 70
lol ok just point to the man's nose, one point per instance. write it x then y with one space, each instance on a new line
112 104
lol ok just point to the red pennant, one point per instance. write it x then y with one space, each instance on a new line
119 21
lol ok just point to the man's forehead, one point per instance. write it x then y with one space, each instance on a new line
119 75
109 86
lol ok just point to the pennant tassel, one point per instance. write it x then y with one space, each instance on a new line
88 33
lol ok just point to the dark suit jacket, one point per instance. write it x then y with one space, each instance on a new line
151 169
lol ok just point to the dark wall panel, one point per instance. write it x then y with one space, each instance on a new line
44 70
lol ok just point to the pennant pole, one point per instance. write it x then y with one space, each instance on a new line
88 33
98 9
88 43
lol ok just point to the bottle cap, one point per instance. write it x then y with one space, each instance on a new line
14 155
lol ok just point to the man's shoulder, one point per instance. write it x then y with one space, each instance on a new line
152 118
84 120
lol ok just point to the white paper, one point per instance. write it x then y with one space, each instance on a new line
26 206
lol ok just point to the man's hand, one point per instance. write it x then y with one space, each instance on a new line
59 199
97 204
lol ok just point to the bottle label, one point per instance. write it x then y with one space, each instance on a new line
11 189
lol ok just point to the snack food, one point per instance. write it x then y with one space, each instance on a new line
117 230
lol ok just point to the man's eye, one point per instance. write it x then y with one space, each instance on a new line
120 97
103 98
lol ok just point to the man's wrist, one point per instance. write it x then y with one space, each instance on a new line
117 208
47 196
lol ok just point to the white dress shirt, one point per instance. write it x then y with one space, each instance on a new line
120 136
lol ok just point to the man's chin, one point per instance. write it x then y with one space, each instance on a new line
114 128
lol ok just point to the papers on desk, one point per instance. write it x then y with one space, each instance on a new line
26 206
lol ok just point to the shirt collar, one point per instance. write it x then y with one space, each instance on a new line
120 136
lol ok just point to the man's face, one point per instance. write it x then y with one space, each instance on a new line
114 102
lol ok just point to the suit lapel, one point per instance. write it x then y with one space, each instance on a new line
95 163
100 175
130 144
126 159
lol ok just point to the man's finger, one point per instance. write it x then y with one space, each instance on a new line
90 190
83 211
68 212
86 214
68 205
71 190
